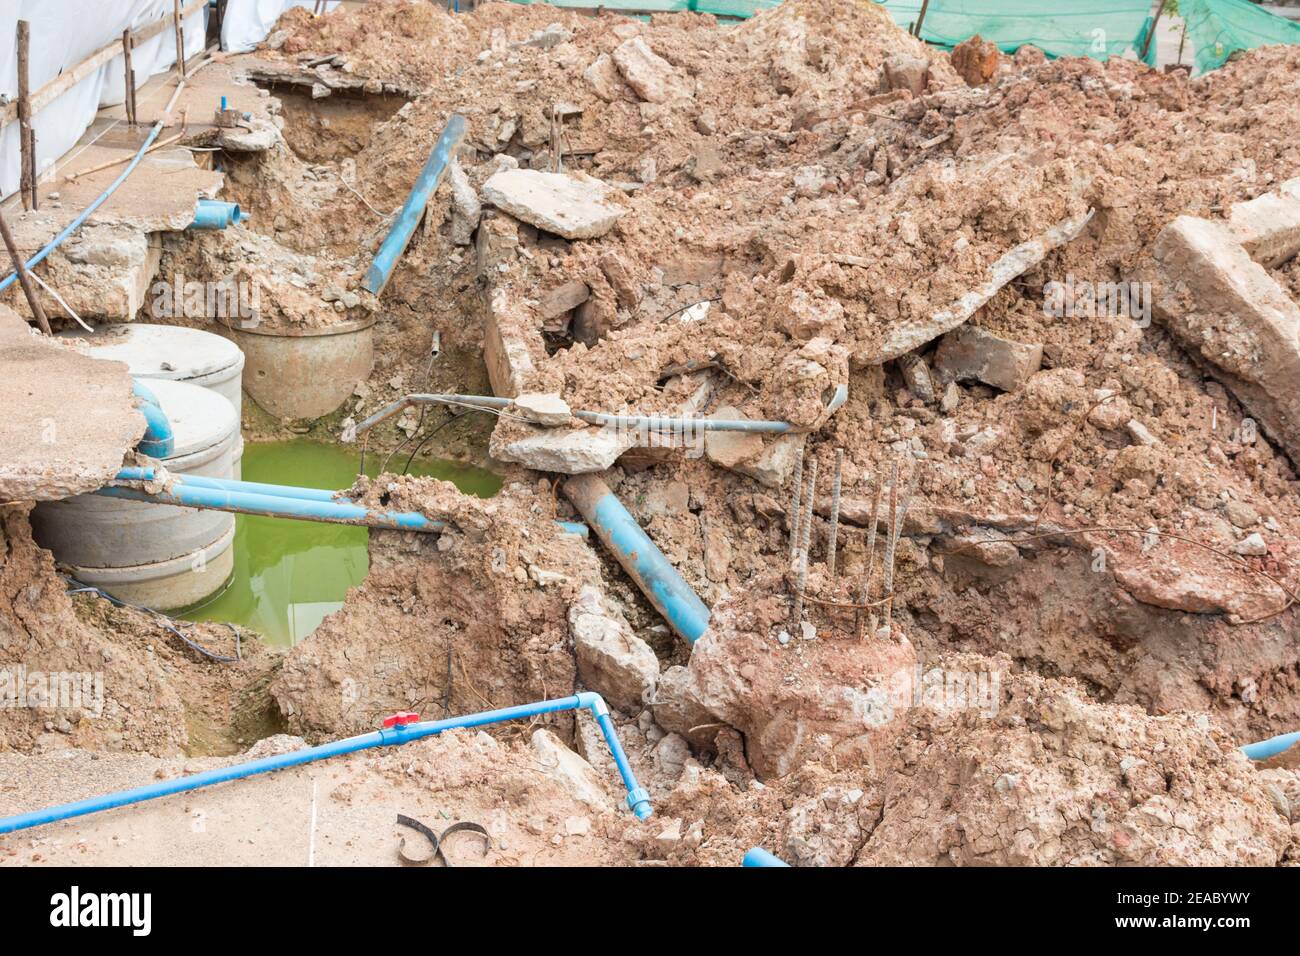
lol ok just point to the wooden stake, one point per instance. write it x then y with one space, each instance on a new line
35 197
128 77
27 163
920 19
1154 23
23 279
180 37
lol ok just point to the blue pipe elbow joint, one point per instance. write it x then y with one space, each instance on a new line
158 440
215 214
757 856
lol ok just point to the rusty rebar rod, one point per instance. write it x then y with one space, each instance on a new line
805 540
792 518
877 486
835 513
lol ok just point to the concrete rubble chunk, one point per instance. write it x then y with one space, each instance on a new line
651 77
612 660
542 409
916 374
563 298
555 202
465 207
1268 226
1228 310
731 449
604 79
910 336
976 60
903 72
971 353
575 775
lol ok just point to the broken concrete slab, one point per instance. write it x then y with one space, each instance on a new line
651 77
1268 226
612 660
555 202
1222 304
971 353
68 419
103 272
563 451
910 336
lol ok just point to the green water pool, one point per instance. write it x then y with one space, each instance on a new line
290 574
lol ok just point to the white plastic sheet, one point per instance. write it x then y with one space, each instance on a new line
248 22
63 33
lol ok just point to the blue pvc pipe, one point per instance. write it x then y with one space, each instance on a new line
159 441
1263 749
644 563
73 226
637 798
757 856
231 484
394 244
290 492
216 214
243 502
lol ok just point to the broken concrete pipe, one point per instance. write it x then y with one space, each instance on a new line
398 729
304 374
645 564
149 553
215 214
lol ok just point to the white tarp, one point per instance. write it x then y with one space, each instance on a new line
65 32
248 22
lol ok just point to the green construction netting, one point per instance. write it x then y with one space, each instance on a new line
1095 28
1219 28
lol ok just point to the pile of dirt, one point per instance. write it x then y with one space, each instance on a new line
472 619
77 671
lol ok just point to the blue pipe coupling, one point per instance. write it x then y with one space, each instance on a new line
757 856
645 564
215 214
158 440
398 729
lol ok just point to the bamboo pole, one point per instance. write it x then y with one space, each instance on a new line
23 279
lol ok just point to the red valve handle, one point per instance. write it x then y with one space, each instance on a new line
401 718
